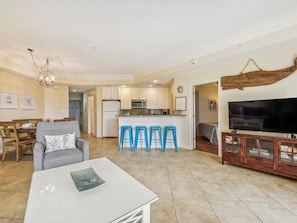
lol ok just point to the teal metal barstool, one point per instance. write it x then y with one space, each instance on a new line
125 128
158 129
138 129
166 131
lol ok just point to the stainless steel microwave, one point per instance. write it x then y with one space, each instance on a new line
138 103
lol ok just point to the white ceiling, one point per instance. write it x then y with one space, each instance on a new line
125 39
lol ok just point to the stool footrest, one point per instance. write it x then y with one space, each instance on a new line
166 131
159 131
123 129
145 139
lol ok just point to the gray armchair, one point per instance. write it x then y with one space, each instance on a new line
43 160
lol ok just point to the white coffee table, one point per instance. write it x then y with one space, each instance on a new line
54 197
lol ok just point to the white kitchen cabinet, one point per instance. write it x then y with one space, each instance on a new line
138 93
110 93
163 99
152 98
125 95
157 98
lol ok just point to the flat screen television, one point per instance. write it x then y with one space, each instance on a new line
275 115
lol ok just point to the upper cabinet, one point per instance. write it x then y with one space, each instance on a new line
138 93
110 93
125 98
157 98
163 99
152 98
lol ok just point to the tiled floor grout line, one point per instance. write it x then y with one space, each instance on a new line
172 197
208 201
274 200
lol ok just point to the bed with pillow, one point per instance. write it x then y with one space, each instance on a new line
209 130
58 144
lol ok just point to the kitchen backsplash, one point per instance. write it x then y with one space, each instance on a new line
140 111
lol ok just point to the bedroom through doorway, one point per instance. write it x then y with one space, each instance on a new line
206 117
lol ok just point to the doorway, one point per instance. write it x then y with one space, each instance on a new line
76 111
206 117
91 115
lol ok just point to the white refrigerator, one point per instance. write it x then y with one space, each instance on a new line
110 110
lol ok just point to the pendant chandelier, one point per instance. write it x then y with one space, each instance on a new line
46 77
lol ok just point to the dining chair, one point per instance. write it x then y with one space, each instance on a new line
10 142
27 135
26 143
66 119
59 120
69 118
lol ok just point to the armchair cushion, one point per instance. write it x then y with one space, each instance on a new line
62 157
59 142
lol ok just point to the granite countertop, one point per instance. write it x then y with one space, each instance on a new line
149 115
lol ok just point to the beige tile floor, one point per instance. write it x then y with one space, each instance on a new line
193 187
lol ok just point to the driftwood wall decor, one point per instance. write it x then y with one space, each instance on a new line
256 78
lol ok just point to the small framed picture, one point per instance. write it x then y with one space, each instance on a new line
181 103
212 105
28 102
8 100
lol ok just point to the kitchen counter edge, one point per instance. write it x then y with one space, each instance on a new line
151 116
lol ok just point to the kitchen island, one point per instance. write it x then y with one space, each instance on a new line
148 121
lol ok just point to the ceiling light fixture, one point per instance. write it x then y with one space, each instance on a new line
46 77
194 61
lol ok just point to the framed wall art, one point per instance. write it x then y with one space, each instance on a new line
181 103
28 102
8 100
212 105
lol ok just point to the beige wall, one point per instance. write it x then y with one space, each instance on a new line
50 103
56 102
21 86
272 59
76 96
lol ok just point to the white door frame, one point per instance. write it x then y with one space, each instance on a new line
91 114
192 113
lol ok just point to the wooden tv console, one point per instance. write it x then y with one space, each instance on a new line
269 154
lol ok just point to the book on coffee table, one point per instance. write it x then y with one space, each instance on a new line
86 179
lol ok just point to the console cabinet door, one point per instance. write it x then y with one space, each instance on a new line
232 148
260 154
261 148
288 157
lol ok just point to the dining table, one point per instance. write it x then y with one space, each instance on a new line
31 130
